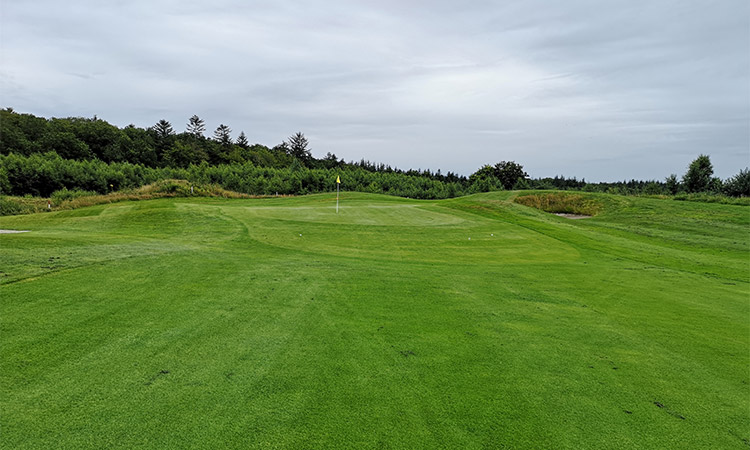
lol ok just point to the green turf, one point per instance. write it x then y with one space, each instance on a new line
463 323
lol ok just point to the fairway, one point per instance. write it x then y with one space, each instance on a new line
465 323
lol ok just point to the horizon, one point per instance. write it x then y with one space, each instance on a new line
207 135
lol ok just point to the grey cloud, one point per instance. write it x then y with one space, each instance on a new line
604 91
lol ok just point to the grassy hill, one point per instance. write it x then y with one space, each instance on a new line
473 322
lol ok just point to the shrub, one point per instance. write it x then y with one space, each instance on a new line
9 207
66 194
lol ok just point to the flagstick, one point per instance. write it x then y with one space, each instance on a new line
337 198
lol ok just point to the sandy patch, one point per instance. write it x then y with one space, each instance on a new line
13 231
572 216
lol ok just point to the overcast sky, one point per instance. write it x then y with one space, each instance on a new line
601 90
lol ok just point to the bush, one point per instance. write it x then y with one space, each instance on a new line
65 194
9 207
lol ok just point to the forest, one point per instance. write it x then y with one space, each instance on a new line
39 156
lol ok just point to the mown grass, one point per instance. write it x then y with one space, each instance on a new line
465 323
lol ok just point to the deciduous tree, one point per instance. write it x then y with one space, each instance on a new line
699 174
508 172
738 185
484 180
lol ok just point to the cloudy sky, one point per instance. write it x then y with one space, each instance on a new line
602 90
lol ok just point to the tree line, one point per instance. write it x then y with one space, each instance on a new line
160 145
91 154
43 174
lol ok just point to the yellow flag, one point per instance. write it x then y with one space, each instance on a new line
338 180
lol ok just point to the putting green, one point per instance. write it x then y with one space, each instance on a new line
360 231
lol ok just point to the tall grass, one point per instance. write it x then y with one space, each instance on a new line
65 194
707 197
10 206
72 199
561 203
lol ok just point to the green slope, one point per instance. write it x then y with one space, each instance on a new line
463 323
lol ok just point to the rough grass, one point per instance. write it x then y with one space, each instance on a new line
72 199
560 202
713 198
467 323
12 206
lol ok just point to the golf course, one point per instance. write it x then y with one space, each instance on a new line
467 323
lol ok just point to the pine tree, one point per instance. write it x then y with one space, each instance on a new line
672 185
298 147
242 140
163 129
196 126
164 136
222 135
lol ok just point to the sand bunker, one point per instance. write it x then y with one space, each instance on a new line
572 216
